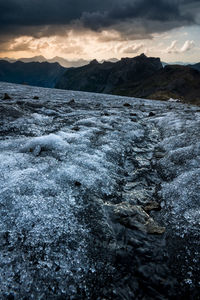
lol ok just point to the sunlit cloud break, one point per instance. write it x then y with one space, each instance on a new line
99 29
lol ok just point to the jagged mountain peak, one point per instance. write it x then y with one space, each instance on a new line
105 77
94 62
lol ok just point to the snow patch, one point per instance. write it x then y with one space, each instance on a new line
49 142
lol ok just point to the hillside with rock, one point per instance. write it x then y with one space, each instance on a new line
196 66
173 81
99 196
141 76
106 77
42 74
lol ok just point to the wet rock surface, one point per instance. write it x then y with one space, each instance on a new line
99 196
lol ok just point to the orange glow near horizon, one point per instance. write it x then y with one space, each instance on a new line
88 45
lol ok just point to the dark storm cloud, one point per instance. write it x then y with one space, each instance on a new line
44 17
154 10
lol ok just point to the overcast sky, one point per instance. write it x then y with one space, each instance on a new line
100 29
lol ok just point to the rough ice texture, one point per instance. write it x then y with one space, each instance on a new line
64 165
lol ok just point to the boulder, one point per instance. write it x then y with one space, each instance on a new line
135 217
153 205
6 97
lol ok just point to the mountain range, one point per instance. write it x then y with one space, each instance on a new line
175 81
141 76
34 73
76 63
106 77
62 61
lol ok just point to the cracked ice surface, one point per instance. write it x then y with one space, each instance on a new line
42 157
181 169
180 189
54 152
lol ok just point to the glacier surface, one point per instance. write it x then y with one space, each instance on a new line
68 162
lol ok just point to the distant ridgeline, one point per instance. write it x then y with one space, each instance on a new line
108 76
34 73
141 76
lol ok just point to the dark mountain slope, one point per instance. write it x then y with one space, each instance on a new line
140 76
195 66
37 74
178 82
106 77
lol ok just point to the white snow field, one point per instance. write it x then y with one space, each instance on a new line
68 158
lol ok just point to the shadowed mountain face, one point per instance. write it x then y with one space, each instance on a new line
62 61
178 82
141 76
37 74
138 77
196 66
106 77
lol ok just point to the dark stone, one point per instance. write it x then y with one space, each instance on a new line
153 205
133 120
127 105
159 155
57 268
71 102
77 183
35 97
76 128
151 114
134 217
6 97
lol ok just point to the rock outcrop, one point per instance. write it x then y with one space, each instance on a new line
106 77
141 76
173 81
195 66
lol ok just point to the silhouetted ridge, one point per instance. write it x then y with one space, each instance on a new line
94 62
141 76
42 74
104 78
173 81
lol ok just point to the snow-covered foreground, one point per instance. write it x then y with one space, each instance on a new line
82 176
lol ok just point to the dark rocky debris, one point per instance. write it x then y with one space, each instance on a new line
6 97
